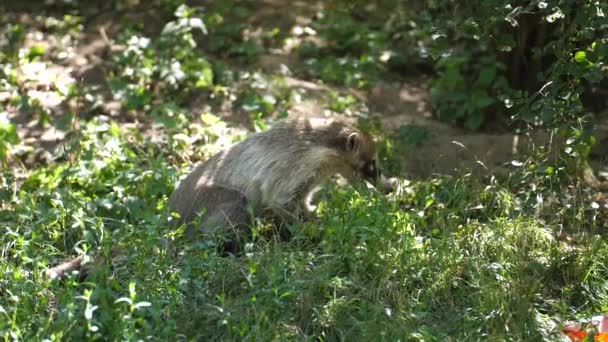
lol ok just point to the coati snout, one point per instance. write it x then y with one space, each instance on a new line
371 173
275 172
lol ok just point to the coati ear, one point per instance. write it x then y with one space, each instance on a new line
353 141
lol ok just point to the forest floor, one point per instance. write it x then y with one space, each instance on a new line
398 102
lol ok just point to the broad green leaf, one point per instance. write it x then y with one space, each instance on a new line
580 56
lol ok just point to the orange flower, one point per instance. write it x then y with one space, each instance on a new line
601 337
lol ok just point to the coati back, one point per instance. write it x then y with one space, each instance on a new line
275 172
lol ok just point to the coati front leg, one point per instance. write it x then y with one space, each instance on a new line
307 209
298 210
305 206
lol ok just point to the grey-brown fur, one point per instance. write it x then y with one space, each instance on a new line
275 171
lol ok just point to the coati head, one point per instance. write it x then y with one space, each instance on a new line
360 159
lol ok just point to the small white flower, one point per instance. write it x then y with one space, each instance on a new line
133 40
144 42
176 69
4 118
557 14
297 30
385 56
128 71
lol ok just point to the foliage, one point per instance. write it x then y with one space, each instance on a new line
532 60
352 52
505 59
149 71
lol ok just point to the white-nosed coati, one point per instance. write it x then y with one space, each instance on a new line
275 172
271 173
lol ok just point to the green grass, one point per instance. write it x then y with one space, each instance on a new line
442 258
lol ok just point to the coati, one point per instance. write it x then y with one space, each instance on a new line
274 173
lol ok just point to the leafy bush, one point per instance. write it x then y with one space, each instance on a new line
170 66
493 60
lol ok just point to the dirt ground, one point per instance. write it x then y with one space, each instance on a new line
447 150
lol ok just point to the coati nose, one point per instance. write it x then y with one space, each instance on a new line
387 185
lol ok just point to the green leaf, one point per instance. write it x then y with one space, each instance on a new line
486 76
36 50
8 135
474 120
114 129
580 56
205 79
209 119
453 77
480 99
